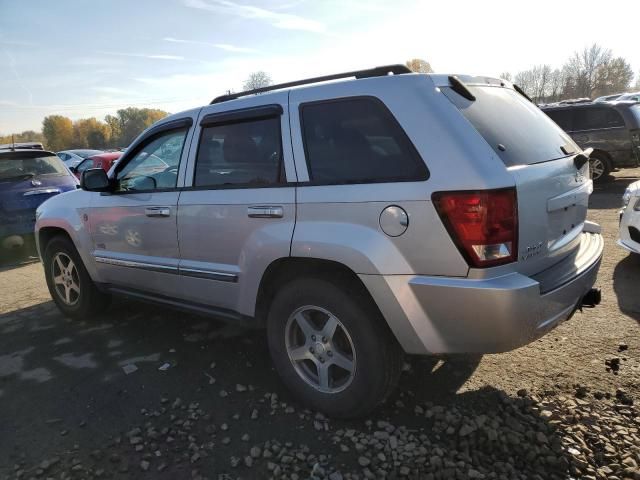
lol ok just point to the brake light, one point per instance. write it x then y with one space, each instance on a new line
483 224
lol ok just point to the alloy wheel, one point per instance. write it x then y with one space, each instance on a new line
596 168
66 278
320 349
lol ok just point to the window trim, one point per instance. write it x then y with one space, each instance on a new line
241 115
232 117
152 134
389 116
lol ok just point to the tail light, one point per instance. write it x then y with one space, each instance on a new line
483 224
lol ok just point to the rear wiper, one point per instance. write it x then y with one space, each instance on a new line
521 92
24 176
460 88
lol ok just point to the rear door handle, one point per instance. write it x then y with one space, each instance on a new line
265 211
157 211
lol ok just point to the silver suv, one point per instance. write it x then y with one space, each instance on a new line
357 220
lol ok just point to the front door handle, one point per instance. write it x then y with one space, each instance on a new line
265 211
157 211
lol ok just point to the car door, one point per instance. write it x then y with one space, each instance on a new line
236 213
134 227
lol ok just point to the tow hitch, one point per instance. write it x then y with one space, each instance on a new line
592 298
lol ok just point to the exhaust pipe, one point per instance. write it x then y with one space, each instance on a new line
592 298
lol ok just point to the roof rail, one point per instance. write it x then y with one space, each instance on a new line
22 146
371 72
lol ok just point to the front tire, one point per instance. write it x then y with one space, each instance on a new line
331 347
69 283
599 168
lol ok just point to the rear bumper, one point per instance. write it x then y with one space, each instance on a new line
431 315
630 228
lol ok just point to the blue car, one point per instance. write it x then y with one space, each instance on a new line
29 175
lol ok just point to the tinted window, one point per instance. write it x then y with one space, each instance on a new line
356 141
85 165
16 165
504 117
155 165
562 117
596 118
246 153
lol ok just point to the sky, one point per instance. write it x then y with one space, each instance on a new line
88 58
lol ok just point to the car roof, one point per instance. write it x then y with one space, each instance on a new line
28 152
106 156
80 150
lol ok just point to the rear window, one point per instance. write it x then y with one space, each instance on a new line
357 140
17 165
596 118
564 118
517 130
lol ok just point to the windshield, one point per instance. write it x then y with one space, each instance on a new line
517 130
31 166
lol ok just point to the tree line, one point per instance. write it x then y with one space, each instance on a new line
589 73
116 131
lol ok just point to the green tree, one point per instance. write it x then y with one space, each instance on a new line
90 133
26 136
132 121
58 132
113 123
419 65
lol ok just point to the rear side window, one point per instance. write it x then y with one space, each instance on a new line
597 118
357 140
246 153
517 130
564 118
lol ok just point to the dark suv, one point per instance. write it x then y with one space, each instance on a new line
611 129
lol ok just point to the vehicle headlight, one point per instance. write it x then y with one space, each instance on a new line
626 197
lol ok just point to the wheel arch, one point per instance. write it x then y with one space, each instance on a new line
286 269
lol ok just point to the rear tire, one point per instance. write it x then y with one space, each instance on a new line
319 325
69 283
599 168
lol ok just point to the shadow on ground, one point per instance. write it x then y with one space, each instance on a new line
65 395
608 195
626 285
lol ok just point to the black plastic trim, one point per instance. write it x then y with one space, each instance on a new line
371 72
244 114
460 88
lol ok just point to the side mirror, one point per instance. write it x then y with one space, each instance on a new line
95 180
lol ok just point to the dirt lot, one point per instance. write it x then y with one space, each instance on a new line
205 402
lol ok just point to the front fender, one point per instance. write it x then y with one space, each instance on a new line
67 212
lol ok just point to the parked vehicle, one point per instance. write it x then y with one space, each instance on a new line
629 97
630 219
28 176
101 160
607 98
72 158
611 129
329 213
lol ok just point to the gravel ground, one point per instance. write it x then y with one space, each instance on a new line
201 400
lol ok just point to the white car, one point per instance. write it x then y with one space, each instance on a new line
630 219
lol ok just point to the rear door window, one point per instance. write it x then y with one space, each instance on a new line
241 154
597 118
517 130
357 140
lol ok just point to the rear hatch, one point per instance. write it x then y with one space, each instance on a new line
26 180
552 185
